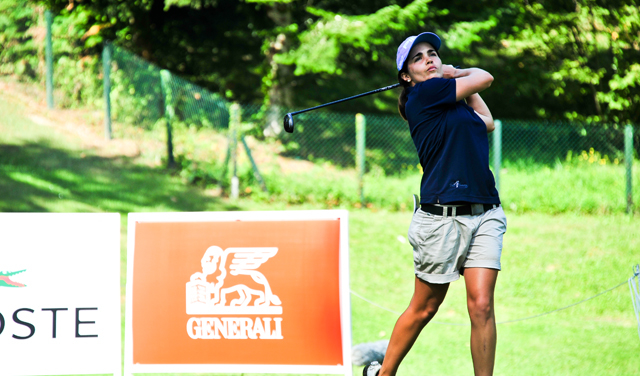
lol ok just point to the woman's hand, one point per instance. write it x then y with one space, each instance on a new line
448 71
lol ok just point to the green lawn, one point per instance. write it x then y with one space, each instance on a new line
549 260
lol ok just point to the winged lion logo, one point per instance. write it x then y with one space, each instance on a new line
231 284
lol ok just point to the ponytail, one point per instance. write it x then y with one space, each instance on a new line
403 97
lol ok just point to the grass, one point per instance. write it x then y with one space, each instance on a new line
551 258
577 186
549 261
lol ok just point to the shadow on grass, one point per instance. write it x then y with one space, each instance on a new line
37 177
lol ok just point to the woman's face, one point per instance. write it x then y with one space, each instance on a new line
423 63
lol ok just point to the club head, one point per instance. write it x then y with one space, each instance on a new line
288 123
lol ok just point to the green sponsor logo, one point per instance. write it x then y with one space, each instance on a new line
5 279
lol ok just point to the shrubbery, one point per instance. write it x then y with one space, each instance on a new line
77 69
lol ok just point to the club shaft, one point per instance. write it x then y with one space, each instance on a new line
347 99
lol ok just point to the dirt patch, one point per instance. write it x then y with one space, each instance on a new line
86 125
289 166
268 154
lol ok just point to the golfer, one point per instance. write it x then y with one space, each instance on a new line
459 225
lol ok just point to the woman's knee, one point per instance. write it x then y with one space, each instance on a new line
480 308
424 314
426 300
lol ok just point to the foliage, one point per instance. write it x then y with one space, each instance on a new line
20 39
554 60
588 52
567 60
321 45
77 76
216 45
77 66
136 90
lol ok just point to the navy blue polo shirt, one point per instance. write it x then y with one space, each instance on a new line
452 145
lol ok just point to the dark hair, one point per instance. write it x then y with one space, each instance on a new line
402 98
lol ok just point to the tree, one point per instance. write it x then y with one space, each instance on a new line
569 59
215 45
302 47
18 47
589 49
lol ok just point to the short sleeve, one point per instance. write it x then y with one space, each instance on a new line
436 92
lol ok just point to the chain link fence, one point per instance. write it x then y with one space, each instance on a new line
136 89
389 147
139 93
332 136
142 98
543 142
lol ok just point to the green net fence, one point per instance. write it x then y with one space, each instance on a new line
138 98
324 136
136 89
551 142
331 136
141 98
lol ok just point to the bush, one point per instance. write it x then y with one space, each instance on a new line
21 40
77 68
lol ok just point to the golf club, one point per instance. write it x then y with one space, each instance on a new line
288 118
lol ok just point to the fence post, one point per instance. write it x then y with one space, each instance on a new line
49 59
234 127
361 134
628 162
497 152
106 68
165 80
256 172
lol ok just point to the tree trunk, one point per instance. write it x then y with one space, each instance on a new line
279 93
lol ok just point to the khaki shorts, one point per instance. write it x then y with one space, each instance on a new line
444 246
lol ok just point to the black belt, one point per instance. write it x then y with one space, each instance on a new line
460 210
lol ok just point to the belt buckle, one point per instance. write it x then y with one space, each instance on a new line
477 209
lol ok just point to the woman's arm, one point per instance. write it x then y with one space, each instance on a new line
482 110
468 81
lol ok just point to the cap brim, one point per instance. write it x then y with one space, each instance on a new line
428 37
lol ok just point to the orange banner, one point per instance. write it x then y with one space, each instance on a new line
237 292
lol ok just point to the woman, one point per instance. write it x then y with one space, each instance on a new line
459 226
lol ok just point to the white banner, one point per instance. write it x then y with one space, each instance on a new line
59 294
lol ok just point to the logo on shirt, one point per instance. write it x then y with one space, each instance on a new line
458 185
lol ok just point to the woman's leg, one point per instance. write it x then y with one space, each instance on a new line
481 284
424 304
